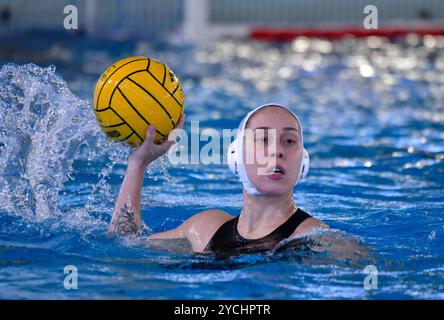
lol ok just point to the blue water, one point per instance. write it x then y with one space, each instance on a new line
373 118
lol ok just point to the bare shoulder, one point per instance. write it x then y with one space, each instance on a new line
211 215
202 226
309 224
208 221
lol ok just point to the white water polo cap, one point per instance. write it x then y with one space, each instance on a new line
235 157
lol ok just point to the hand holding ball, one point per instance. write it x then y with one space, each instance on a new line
149 150
134 93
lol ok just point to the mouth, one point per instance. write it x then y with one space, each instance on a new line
276 173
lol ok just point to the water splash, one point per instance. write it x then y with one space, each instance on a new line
44 127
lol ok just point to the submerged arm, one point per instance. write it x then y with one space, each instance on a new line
336 244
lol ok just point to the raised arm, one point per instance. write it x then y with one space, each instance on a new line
126 215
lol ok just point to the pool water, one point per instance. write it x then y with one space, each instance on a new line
373 117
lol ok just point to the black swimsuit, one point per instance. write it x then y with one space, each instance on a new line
228 240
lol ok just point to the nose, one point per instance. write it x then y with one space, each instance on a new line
279 152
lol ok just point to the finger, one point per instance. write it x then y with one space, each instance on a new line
150 134
181 121
166 142
159 142
166 145
173 135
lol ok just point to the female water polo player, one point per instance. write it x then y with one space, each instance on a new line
269 213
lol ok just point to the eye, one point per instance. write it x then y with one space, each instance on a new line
290 141
263 139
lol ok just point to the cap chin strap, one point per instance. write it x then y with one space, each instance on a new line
235 157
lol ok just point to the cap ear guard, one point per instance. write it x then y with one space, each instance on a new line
232 157
305 165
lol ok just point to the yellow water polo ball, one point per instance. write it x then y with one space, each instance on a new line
136 92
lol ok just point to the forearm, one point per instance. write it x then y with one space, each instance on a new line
126 215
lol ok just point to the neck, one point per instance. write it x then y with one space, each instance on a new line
262 214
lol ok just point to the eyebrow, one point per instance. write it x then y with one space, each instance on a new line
285 128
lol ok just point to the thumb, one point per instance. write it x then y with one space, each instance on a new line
150 133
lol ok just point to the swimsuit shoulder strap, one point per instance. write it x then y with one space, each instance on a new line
221 238
288 227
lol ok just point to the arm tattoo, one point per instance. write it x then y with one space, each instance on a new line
126 222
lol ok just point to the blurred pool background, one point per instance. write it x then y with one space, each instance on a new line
373 115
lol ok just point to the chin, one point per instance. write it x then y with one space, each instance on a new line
276 189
